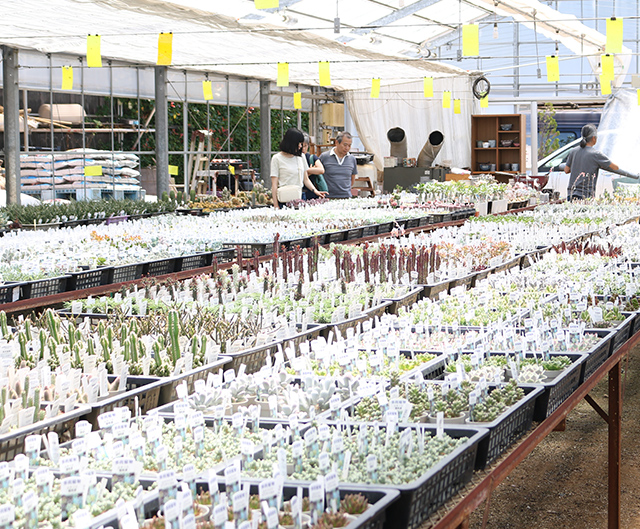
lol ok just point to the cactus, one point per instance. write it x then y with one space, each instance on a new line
172 196
165 197
174 335
179 197
192 195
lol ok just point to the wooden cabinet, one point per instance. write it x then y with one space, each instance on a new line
498 143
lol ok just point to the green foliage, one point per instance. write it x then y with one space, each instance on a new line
234 129
547 131
78 210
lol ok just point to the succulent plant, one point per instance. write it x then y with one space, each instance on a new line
354 504
531 374
206 401
332 519
317 394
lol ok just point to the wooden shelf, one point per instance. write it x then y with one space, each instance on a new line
487 127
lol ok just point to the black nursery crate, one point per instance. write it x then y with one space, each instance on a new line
480 276
433 290
336 236
225 255
560 388
368 231
12 443
159 267
312 332
341 327
466 282
90 278
424 496
10 292
623 331
43 287
302 243
385 227
168 389
129 272
145 389
596 357
191 262
413 222
354 233
508 427
249 249
406 300
425 220
254 359
441 217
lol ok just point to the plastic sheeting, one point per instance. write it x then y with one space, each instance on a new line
202 41
619 136
406 107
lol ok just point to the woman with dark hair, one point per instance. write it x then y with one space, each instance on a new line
585 162
289 171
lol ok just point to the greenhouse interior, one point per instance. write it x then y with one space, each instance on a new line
314 264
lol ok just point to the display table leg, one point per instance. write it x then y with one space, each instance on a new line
615 439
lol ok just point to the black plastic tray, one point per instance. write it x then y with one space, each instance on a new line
90 278
43 287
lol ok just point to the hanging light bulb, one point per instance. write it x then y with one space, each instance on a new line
495 30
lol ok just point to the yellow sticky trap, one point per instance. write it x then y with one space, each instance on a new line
94 59
67 77
456 106
93 170
173 170
232 169
283 74
427 86
267 4
375 88
607 66
207 91
553 69
638 96
484 102
165 49
470 40
297 100
614 35
446 99
605 85
325 73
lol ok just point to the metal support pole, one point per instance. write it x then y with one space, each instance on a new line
11 123
162 131
25 116
615 441
265 133
185 136
534 137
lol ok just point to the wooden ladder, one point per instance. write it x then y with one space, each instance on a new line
367 187
198 161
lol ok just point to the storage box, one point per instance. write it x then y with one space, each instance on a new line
333 114
71 113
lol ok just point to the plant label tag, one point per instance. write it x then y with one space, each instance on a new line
323 461
323 432
440 424
32 445
220 515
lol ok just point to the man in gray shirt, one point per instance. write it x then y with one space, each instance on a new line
584 163
340 167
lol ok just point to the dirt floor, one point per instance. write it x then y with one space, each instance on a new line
563 482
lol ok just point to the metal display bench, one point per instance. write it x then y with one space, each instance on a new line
457 517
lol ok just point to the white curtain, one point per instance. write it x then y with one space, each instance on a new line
405 106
